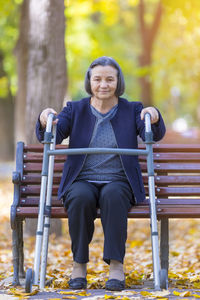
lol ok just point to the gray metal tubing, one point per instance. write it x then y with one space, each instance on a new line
40 224
153 212
147 118
154 233
105 150
47 218
97 151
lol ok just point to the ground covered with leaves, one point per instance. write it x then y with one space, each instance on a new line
184 269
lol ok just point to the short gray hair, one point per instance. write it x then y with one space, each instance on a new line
106 61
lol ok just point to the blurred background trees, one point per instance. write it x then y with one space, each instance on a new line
156 42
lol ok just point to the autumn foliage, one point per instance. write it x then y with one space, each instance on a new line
184 271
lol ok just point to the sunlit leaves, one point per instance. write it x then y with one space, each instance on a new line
177 60
184 268
97 28
102 27
21 294
9 21
3 87
157 294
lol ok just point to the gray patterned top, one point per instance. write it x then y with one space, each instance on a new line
103 167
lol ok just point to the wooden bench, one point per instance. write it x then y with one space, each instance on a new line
177 180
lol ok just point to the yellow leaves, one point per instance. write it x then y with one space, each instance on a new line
134 278
196 295
185 294
184 261
174 253
21 294
133 2
156 294
182 294
172 275
84 294
3 87
136 243
109 296
61 283
145 293
121 295
196 285
81 293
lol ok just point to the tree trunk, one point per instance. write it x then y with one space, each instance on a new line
46 79
145 81
41 69
148 35
21 52
6 129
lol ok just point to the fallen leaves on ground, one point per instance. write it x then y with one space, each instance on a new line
19 292
184 269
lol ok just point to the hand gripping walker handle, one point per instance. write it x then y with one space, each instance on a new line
147 119
148 131
51 118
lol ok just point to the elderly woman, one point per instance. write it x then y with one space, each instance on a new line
108 181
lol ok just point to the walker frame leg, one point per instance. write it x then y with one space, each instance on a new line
33 277
47 214
160 277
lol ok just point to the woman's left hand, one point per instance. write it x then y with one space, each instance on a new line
153 112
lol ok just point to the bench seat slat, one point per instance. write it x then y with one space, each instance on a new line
35 190
169 180
159 167
34 179
167 148
178 191
182 211
158 157
39 148
37 167
165 191
33 201
177 167
38 157
170 157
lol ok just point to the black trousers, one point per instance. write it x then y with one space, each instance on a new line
114 200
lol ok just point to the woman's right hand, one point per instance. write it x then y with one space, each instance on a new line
44 116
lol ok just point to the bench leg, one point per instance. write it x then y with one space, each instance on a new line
21 251
164 244
15 252
18 253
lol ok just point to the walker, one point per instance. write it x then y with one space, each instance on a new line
38 274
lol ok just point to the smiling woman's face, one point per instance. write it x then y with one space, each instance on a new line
103 82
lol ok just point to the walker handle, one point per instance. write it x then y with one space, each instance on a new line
147 119
51 118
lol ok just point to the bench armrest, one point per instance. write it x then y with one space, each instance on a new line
16 179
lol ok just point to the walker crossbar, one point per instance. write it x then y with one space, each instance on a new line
97 151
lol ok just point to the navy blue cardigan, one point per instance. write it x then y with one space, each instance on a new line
77 121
